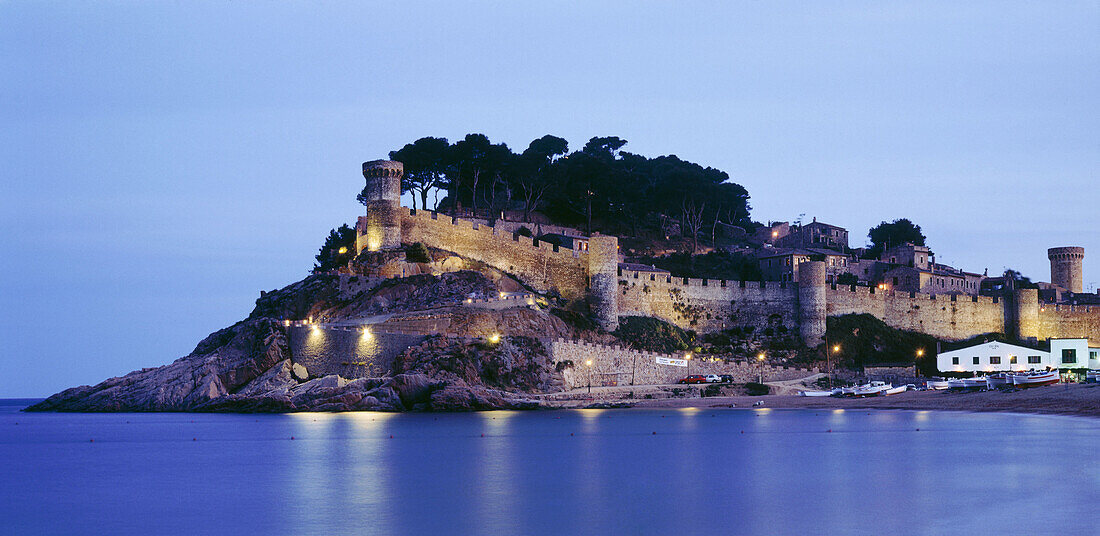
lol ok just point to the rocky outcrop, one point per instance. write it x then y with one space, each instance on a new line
248 367
222 363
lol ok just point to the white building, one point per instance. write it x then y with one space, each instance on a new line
1000 356
1074 354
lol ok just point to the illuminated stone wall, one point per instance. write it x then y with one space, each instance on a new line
347 353
543 266
708 304
1069 322
617 365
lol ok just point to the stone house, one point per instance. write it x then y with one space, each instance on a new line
781 264
815 235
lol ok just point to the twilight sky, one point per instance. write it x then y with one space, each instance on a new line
165 161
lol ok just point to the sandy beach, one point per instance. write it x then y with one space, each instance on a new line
1063 399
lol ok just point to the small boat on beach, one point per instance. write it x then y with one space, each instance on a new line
819 393
936 384
999 380
1035 379
872 389
967 383
895 390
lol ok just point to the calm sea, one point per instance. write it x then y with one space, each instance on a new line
554 472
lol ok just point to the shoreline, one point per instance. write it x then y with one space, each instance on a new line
1082 400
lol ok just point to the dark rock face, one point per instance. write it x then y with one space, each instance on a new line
223 362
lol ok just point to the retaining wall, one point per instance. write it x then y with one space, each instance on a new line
616 365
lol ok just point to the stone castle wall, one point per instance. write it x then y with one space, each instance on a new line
1070 321
543 266
949 317
615 365
708 304
345 351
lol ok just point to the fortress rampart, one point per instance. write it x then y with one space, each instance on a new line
545 267
708 305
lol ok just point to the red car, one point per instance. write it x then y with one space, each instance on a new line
694 378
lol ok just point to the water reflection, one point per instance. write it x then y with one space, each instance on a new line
621 472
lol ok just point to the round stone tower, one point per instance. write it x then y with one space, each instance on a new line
382 228
1024 322
811 302
1066 267
603 273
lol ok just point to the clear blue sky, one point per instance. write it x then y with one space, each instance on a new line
165 161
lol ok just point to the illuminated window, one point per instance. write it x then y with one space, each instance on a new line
1033 359
994 360
1069 355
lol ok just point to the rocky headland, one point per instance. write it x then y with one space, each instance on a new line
250 366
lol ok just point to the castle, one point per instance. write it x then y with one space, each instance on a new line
613 289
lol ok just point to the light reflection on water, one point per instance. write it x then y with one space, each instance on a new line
694 471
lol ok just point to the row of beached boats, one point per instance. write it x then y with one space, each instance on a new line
868 389
997 381
993 381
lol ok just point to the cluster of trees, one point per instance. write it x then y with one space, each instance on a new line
886 235
599 186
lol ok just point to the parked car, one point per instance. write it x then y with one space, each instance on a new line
726 378
713 378
694 378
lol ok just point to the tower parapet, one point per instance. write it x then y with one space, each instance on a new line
382 226
603 272
1066 267
811 302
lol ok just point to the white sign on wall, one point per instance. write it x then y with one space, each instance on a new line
673 362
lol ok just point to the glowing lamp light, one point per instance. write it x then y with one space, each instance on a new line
920 352
588 363
366 333
469 300
342 250
687 355
502 294
494 338
836 348
760 357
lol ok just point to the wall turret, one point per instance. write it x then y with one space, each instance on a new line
603 273
1024 322
811 302
1066 267
381 229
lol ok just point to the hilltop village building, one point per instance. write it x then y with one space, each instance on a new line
781 264
815 235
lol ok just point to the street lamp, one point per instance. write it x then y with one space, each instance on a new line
760 373
688 358
589 365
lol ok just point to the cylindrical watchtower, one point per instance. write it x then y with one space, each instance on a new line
1066 267
382 228
811 302
603 273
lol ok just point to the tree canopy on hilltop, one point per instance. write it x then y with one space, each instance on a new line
599 187
887 235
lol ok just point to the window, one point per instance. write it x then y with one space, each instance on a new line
1093 354
977 360
994 360
954 361
1011 360
1069 355
1033 359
